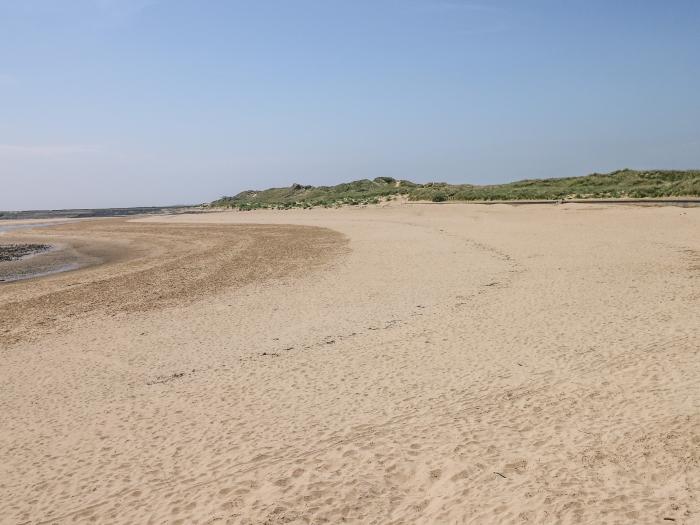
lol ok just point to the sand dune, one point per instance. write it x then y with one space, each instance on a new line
399 364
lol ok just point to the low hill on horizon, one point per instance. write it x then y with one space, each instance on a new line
615 185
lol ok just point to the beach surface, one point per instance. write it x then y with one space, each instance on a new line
405 363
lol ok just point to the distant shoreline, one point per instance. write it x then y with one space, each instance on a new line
80 213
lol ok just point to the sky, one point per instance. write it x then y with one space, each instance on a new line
145 102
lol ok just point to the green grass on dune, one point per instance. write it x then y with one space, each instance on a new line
615 185
363 191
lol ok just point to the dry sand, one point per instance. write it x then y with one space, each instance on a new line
399 364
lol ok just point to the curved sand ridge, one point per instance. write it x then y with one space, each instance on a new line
459 364
130 267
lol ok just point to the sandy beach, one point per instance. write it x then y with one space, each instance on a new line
405 363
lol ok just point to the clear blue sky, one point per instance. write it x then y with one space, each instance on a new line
138 102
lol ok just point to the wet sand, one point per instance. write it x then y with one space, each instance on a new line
54 259
399 364
45 259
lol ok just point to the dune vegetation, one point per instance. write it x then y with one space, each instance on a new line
616 185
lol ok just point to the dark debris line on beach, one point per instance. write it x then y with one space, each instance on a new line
12 252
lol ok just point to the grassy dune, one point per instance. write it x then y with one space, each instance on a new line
618 184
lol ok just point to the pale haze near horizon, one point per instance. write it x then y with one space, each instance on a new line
133 102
